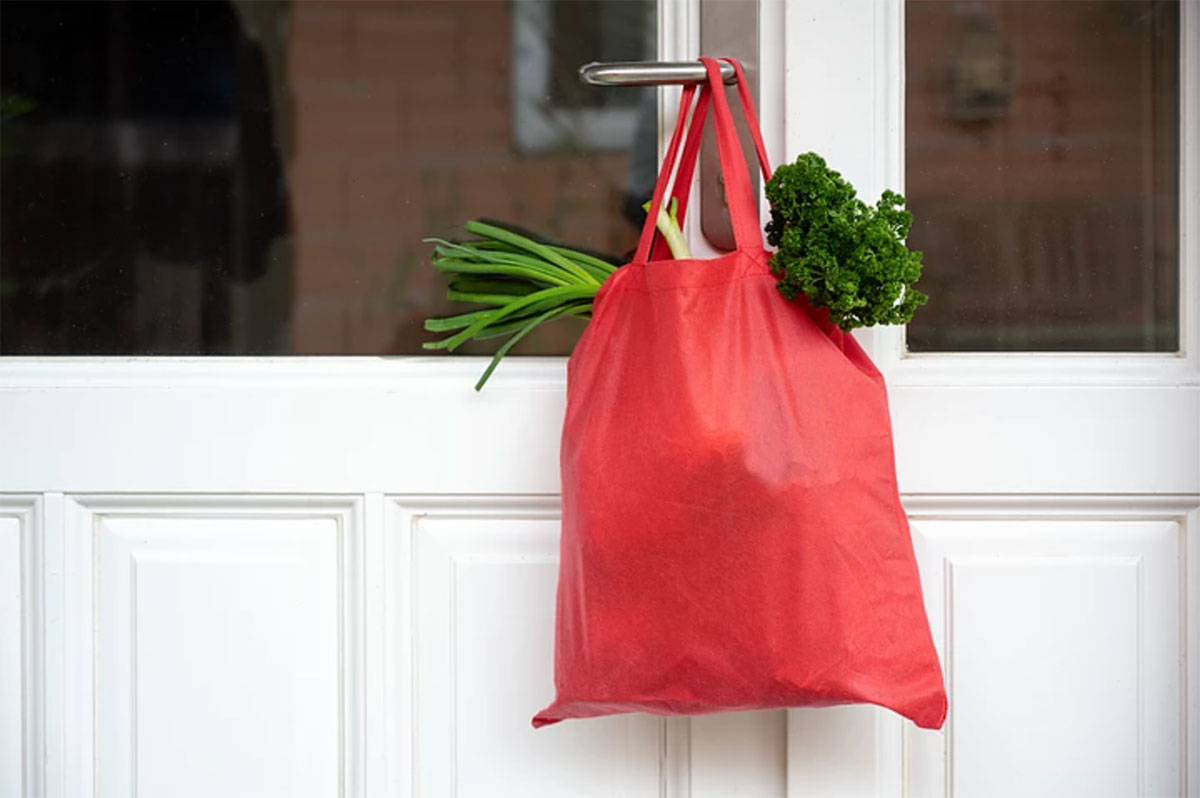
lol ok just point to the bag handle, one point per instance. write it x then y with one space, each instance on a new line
751 117
687 161
750 235
664 175
738 195
681 189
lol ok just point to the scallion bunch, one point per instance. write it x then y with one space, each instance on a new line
518 282
840 252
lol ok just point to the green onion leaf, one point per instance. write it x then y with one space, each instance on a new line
520 241
547 316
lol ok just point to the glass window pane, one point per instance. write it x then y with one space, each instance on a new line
257 176
1042 146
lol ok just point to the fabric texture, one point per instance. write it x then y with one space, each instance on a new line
732 535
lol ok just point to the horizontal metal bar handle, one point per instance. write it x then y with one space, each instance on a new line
649 73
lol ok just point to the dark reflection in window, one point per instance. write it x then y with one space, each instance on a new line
1042 145
142 183
256 176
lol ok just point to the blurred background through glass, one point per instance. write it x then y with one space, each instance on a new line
1042 144
256 176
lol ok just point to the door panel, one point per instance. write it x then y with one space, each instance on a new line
217 644
1068 627
483 576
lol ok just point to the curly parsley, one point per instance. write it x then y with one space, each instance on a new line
838 251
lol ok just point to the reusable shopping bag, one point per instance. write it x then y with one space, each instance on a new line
732 535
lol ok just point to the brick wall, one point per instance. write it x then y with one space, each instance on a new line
402 128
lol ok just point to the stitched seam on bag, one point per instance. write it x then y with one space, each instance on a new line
761 256
758 258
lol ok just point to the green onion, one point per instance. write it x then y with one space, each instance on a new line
520 282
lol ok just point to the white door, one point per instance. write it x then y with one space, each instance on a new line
1047 401
315 576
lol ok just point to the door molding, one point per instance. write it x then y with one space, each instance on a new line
22 645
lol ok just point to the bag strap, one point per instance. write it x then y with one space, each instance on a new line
664 175
681 188
739 197
685 167
751 117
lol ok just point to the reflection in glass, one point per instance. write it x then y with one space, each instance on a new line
256 176
1042 171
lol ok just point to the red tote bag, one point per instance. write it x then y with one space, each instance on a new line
732 536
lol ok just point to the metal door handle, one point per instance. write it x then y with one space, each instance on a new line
650 73
727 27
